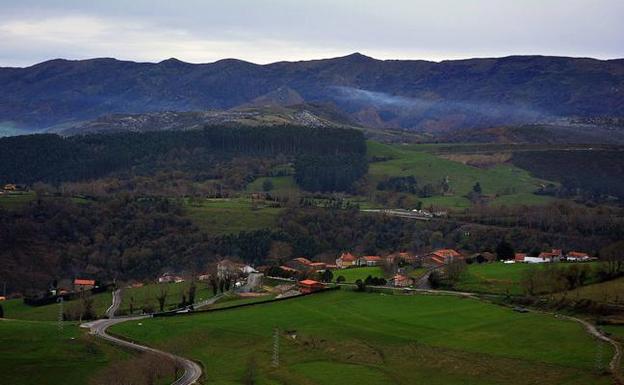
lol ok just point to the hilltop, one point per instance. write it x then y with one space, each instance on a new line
405 94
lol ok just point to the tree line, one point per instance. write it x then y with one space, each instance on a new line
327 158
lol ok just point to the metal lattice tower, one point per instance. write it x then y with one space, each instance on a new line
275 362
60 315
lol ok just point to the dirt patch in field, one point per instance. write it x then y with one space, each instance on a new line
479 160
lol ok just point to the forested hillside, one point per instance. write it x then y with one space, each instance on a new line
330 157
412 94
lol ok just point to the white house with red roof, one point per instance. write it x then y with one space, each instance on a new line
442 256
578 256
346 260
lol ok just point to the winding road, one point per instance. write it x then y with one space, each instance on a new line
192 371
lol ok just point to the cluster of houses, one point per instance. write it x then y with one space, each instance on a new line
403 262
555 255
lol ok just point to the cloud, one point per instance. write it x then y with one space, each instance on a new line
416 106
265 31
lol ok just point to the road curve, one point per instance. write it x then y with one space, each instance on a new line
112 309
192 371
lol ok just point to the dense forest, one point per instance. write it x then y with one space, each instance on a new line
339 154
593 175
134 237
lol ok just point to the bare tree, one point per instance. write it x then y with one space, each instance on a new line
162 297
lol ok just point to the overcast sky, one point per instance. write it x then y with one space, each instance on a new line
264 31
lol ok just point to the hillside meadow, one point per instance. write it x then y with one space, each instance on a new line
38 353
501 278
511 184
371 338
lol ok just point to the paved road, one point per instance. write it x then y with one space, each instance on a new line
112 309
192 371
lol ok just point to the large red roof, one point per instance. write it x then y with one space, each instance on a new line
84 282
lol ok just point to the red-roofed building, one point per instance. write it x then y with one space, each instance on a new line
300 263
554 255
84 284
578 256
309 286
519 257
400 280
442 256
318 266
346 260
369 260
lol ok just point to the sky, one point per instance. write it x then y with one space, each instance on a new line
263 31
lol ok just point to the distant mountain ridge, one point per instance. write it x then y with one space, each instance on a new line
409 94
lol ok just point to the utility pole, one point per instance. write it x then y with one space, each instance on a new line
275 362
60 315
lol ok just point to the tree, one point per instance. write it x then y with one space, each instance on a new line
360 285
477 188
162 298
454 269
327 276
613 257
191 292
267 185
435 279
1 312
505 251
340 279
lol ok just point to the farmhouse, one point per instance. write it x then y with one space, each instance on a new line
318 266
309 286
83 284
578 256
482 257
369 260
289 270
300 263
519 257
346 260
442 256
555 255
402 256
400 280
168 278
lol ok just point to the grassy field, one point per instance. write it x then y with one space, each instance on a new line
15 200
282 185
15 308
224 216
370 338
512 184
37 353
355 273
146 295
605 292
497 277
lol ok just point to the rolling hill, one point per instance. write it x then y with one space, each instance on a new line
408 94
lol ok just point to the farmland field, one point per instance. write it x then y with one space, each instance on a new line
605 292
15 308
146 296
498 277
512 184
355 273
225 216
281 185
37 353
371 338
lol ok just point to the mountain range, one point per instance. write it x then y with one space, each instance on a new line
417 95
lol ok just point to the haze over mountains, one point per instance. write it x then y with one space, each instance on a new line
407 94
